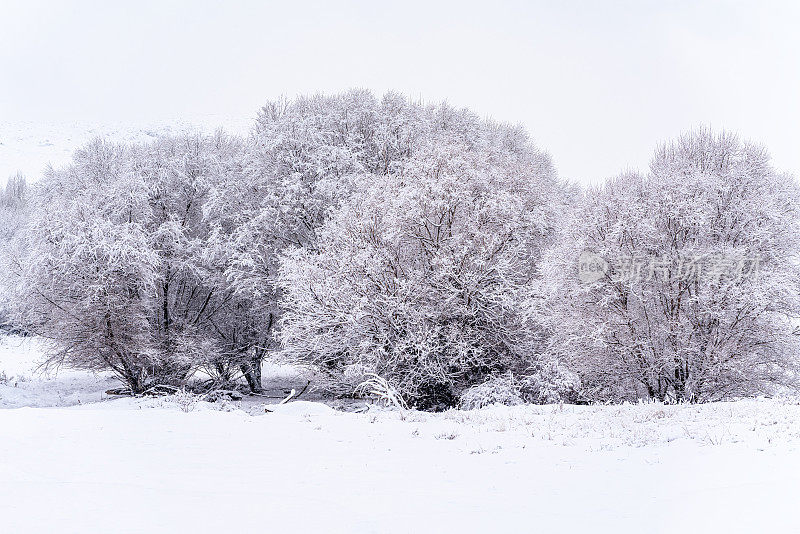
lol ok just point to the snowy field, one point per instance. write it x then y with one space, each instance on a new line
155 465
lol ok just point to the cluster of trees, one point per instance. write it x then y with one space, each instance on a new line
419 243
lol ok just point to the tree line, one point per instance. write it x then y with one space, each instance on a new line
363 236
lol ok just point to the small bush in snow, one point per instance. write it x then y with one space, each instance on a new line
186 400
375 385
549 383
504 389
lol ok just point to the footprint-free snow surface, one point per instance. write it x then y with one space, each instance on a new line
160 465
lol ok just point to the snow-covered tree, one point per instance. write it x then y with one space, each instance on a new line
120 266
423 275
694 291
303 158
195 321
13 211
86 274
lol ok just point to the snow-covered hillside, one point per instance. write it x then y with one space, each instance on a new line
29 147
161 465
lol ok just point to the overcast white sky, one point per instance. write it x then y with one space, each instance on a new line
598 84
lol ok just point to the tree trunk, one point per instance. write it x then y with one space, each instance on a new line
165 318
679 384
252 370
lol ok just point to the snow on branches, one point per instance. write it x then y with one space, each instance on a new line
368 237
697 295
423 274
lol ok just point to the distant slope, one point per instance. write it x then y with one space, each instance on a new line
29 147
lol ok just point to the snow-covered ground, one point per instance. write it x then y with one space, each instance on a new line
23 381
156 465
